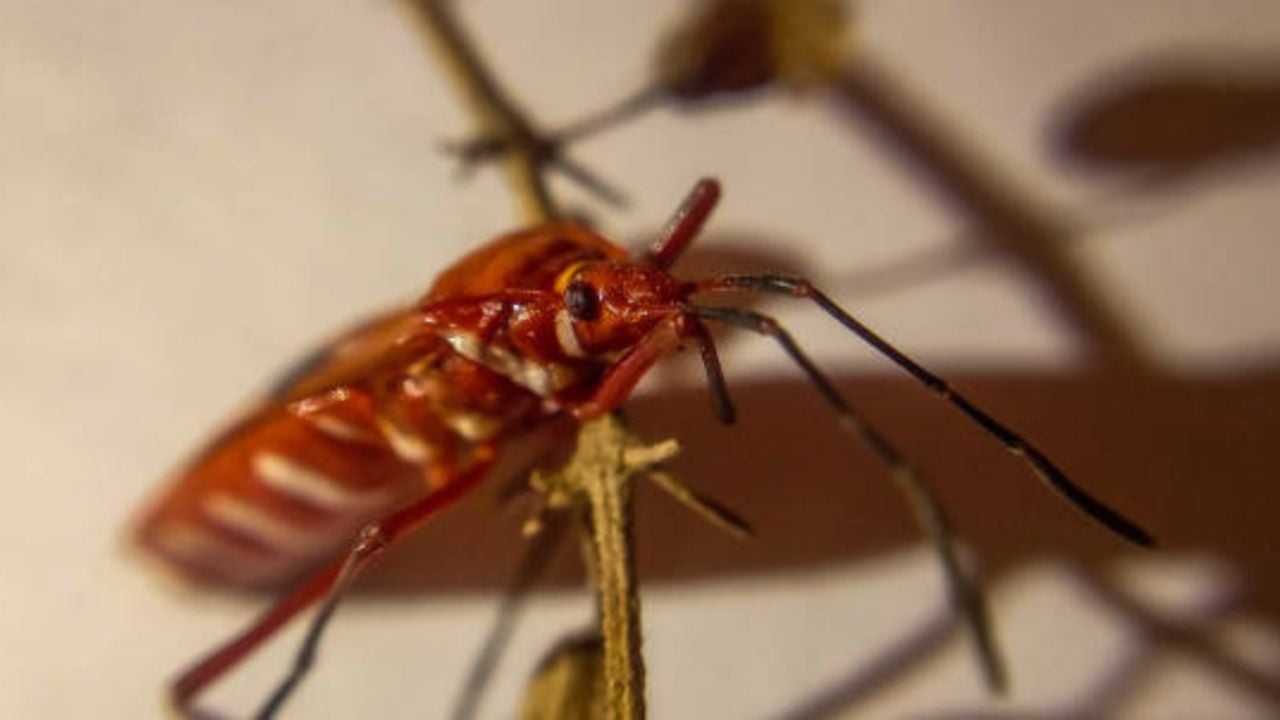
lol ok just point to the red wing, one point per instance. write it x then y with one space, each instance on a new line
287 484
383 343
281 490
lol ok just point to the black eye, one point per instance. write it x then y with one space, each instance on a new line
581 301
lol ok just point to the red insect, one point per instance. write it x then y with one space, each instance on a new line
400 418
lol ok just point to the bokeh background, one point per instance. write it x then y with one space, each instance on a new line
192 194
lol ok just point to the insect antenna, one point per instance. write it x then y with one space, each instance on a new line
1040 463
964 590
684 225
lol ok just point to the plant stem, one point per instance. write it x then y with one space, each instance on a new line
598 475
609 496
497 118
597 480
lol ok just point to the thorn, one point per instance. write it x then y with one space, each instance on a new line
710 510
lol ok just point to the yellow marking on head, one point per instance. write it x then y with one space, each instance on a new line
566 276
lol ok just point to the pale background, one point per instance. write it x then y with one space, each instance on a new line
193 193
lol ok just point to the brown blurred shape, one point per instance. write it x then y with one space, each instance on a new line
1174 119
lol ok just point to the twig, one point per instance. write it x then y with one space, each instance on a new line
1015 227
497 118
598 479
598 476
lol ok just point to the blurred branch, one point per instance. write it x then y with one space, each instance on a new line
1191 635
497 118
505 133
567 684
1011 224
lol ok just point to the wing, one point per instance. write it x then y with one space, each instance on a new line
283 489
287 485
530 259
381 344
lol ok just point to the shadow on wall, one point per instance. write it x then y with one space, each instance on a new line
1173 119
1194 460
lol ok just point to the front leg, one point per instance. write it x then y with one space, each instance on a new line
620 379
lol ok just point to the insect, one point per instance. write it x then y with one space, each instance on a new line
400 418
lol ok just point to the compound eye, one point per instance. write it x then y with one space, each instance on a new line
581 301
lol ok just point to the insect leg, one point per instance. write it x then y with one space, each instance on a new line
715 376
328 585
537 555
372 543
1040 463
621 378
966 595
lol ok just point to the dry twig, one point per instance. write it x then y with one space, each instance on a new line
599 473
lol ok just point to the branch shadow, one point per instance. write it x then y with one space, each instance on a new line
1006 220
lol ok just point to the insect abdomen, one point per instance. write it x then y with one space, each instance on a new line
290 486
281 492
